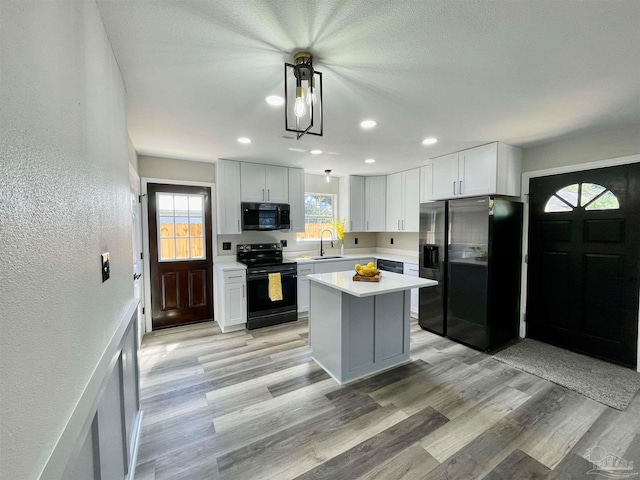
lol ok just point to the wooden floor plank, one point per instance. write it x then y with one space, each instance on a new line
253 405
381 447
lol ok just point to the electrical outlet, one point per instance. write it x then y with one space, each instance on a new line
283 243
391 240
355 240
106 268
226 245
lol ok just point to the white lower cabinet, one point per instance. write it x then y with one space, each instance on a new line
230 293
303 286
412 269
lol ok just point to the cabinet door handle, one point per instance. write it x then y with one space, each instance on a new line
351 225
454 187
402 224
269 194
367 225
243 290
236 276
263 197
399 225
460 189
238 225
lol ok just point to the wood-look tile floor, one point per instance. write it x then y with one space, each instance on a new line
253 405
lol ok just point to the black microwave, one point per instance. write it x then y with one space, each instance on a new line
265 216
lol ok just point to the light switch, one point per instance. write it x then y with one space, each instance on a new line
106 267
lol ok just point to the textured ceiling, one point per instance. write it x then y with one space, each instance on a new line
466 72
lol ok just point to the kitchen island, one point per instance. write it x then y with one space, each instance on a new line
360 328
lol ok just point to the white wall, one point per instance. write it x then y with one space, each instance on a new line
583 148
64 199
133 155
174 169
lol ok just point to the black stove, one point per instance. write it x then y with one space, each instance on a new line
263 259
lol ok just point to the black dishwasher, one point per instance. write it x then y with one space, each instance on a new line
390 266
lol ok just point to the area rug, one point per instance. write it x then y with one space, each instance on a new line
601 381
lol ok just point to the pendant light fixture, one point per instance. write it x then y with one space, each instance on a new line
304 111
327 177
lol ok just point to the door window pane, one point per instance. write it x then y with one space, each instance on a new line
589 192
569 194
591 196
180 226
608 201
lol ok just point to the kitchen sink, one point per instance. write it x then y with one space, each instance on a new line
327 257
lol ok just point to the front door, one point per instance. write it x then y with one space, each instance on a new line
584 261
180 249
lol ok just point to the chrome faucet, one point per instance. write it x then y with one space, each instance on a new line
321 250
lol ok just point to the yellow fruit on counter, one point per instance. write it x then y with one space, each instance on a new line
358 266
370 264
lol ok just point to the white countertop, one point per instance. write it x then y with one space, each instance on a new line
389 282
228 262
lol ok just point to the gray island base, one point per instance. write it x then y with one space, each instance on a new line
357 329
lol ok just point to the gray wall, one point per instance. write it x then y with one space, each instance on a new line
174 169
64 200
583 148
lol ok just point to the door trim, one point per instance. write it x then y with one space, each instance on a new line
526 178
144 181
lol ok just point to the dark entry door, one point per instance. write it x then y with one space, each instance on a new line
180 249
584 242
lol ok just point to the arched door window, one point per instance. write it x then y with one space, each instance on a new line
589 196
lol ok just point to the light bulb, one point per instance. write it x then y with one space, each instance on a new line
299 108
328 178
311 97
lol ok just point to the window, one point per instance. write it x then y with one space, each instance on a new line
319 212
180 222
589 196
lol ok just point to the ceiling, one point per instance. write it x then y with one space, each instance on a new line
465 72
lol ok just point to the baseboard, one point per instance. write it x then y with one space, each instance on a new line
137 429
232 328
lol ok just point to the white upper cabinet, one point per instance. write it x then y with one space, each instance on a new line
394 202
489 169
363 203
411 198
296 199
444 176
253 182
375 203
403 201
277 184
264 183
425 183
228 196
352 203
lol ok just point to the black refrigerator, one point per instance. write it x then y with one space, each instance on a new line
473 247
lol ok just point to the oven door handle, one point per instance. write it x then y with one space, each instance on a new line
252 277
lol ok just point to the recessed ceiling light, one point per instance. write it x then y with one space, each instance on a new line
368 123
429 141
370 160
274 100
296 149
316 152
244 140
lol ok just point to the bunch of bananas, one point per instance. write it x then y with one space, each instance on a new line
368 270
